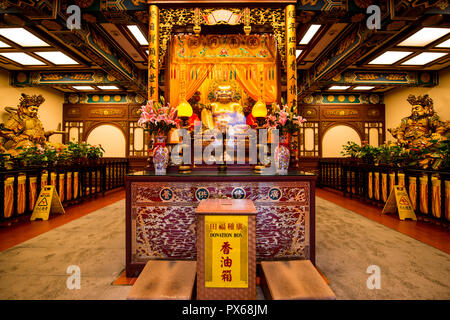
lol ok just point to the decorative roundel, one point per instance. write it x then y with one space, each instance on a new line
74 98
166 194
374 98
202 193
274 194
139 99
238 193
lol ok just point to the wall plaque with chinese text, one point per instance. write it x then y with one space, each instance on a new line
226 251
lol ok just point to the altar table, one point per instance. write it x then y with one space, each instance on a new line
161 221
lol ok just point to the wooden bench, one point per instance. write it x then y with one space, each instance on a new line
294 280
165 280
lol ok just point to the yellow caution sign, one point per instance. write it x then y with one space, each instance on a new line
398 201
47 202
226 251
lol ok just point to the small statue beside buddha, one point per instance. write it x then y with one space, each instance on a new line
224 109
23 129
422 125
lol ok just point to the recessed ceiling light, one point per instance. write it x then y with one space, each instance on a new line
138 35
310 33
147 52
81 88
298 52
4 45
108 87
424 58
339 87
22 37
445 44
22 58
390 57
363 88
56 57
424 36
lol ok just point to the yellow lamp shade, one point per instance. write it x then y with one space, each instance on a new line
184 109
259 110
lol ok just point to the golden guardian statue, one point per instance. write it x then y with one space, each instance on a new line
23 129
421 126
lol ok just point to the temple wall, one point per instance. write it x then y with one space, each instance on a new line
397 107
50 112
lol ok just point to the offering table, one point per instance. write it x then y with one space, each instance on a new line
161 220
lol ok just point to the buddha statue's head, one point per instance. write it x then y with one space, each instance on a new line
29 105
224 93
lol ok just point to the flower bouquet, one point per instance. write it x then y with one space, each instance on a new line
283 119
158 119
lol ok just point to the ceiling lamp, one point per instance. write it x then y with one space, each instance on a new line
56 57
22 37
363 88
424 58
22 58
298 53
339 87
4 45
445 44
390 57
83 88
424 37
138 35
108 87
310 33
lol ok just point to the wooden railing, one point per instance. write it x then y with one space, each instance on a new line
20 187
429 190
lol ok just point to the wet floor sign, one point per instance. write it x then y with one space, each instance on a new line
399 201
47 202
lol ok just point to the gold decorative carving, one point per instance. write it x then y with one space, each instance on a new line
169 17
342 113
106 112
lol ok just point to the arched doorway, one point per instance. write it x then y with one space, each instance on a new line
110 138
334 139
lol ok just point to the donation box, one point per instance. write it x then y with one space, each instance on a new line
226 249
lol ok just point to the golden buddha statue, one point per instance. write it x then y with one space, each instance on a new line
224 110
423 123
23 128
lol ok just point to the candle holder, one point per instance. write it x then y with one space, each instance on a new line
184 168
259 167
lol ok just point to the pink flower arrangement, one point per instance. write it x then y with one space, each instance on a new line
157 118
284 120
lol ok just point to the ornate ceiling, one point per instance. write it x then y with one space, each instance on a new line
342 52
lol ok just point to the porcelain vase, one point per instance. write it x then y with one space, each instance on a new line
160 156
282 156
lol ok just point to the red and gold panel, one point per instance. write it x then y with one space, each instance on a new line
163 219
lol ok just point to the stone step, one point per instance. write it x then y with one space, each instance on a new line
294 280
165 280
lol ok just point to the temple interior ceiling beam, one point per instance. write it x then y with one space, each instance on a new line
357 43
62 78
